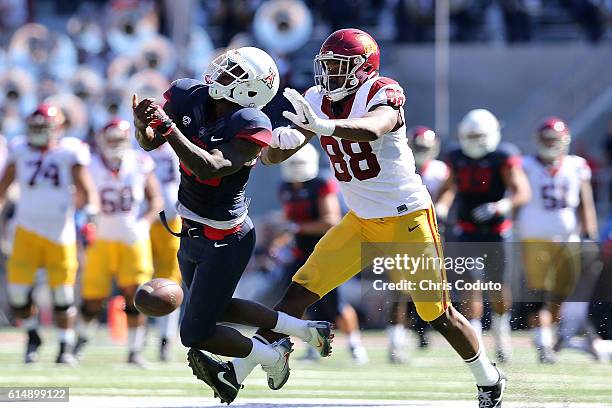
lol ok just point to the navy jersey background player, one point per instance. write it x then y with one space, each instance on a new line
310 201
217 130
487 182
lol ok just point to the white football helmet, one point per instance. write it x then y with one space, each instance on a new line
113 141
247 76
479 133
302 166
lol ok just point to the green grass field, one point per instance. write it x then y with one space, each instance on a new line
435 374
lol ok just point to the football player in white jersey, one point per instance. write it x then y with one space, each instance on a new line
358 117
560 212
121 251
52 176
164 245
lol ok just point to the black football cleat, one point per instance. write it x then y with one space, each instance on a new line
66 359
79 346
137 359
546 355
164 350
218 375
32 347
491 396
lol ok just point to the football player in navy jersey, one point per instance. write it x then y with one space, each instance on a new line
487 182
217 130
311 202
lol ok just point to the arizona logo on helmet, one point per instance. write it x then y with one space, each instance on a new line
269 80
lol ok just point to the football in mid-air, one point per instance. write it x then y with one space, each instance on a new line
158 297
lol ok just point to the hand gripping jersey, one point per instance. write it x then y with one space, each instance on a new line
167 172
302 205
122 194
480 181
219 202
434 173
555 196
46 198
377 179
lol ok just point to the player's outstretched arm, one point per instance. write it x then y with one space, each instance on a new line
375 123
145 136
5 182
586 211
282 139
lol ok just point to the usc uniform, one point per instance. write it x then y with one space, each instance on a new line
548 222
45 235
387 199
164 245
122 248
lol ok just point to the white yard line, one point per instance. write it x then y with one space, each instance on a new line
165 402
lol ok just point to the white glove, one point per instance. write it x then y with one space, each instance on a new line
286 138
486 211
304 115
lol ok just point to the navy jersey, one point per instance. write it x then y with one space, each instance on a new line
480 181
222 198
302 205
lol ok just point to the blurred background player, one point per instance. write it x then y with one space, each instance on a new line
48 169
311 202
425 147
121 252
163 244
487 183
550 225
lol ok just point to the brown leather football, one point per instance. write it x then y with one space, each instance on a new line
158 297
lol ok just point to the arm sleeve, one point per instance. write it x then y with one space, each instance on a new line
329 186
511 155
385 92
253 125
584 170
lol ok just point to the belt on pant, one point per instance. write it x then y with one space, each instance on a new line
192 229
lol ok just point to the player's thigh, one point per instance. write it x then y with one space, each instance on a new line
537 263
26 257
567 268
217 272
335 259
100 263
165 247
61 263
135 265
415 237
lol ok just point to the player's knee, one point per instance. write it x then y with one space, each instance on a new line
533 308
131 310
20 297
191 337
433 314
63 298
296 300
90 309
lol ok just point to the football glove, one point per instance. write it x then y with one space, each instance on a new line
304 116
487 211
286 138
